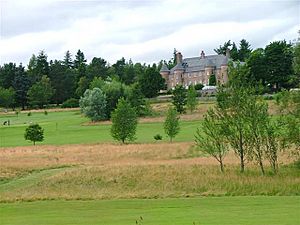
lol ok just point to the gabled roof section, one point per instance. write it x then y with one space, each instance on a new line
164 68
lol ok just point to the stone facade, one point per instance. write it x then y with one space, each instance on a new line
195 70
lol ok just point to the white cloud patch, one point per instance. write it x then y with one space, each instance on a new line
145 31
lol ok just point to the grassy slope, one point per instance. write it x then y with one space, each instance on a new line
221 210
66 128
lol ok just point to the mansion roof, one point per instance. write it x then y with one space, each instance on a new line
195 64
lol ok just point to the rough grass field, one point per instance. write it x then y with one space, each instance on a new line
260 210
107 171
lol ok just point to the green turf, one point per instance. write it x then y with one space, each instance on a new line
200 211
68 128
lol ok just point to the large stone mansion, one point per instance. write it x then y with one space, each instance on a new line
195 70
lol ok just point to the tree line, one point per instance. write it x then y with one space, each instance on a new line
276 66
58 81
45 82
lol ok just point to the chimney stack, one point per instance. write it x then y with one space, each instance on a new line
178 58
202 55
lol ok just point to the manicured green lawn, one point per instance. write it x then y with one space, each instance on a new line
68 128
210 210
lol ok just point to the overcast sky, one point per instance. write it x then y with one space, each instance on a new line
143 30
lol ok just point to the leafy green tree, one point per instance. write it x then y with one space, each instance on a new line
40 93
129 73
21 84
179 98
34 133
171 124
191 101
151 82
296 64
93 104
119 68
210 138
7 74
82 85
289 105
232 103
222 49
244 50
212 80
7 97
124 122
234 52
137 99
279 59
258 119
31 69
97 82
113 91
63 80
97 68
257 67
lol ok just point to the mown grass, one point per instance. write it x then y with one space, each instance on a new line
257 210
69 127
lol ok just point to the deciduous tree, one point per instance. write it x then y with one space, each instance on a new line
93 104
211 139
171 124
179 98
124 122
34 133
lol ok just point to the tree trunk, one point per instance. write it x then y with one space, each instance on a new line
221 166
261 167
242 162
33 142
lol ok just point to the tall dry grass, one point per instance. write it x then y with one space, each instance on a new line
131 171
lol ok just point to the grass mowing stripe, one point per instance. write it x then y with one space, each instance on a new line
211 210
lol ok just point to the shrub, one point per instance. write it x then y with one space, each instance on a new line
198 86
45 112
70 103
157 137
29 114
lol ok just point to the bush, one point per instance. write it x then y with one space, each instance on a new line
45 112
29 114
70 103
157 137
198 86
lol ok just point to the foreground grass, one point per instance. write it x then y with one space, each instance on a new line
69 127
210 210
